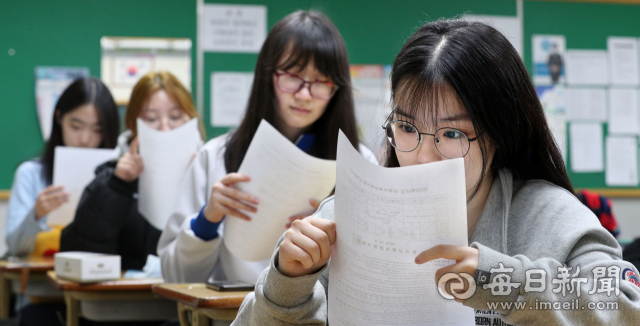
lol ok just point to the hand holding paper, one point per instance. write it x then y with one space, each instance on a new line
283 177
130 165
226 200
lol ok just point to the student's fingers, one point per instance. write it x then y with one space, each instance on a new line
58 196
232 203
314 203
224 210
133 147
291 252
320 237
457 253
233 178
238 195
51 189
297 217
137 162
329 227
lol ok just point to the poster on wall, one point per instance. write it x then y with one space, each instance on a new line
371 96
125 60
233 28
548 59
50 83
229 97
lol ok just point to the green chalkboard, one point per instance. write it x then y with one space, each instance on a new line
67 33
585 26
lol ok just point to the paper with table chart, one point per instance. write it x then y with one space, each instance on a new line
283 178
166 156
74 168
384 219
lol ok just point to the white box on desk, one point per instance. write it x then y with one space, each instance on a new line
84 267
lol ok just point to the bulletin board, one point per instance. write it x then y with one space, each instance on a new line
586 26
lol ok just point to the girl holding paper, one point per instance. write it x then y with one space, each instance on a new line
107 219
301 87
84 116
460 90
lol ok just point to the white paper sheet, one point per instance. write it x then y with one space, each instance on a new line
283 178
384 219
509 26
586 104
229 97
371 100
558 125
623 60
586 147
587 67
233 28
623 111
622 161
74 168
165 156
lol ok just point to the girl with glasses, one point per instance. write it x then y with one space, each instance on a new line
301 87
460 89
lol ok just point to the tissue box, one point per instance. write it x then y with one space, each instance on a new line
87 267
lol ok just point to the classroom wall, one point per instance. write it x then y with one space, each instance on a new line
53 33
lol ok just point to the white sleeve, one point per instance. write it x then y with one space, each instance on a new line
184 256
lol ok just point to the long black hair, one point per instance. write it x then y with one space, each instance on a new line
304 36
82 91
478 66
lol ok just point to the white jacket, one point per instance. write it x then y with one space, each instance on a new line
185 257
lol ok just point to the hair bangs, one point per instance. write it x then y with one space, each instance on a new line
423 100
309 39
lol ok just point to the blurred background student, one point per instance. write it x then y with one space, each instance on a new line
84 116
107 219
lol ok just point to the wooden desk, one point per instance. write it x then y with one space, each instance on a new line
203 303
22 270
118 290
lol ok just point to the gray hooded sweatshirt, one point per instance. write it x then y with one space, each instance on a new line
527 226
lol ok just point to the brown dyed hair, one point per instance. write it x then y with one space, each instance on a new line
149 85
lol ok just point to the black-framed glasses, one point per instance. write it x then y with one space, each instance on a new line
405 137
290 83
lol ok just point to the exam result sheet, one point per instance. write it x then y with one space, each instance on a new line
384 218
283 178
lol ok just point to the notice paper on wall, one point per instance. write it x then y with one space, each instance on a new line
623 111
229 97
587 67
586 147
623 60
622 161
586 104
233 28
371 96
166 155
74 168
283 178
384 219
50 83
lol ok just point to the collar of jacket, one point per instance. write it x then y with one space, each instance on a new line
491 228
